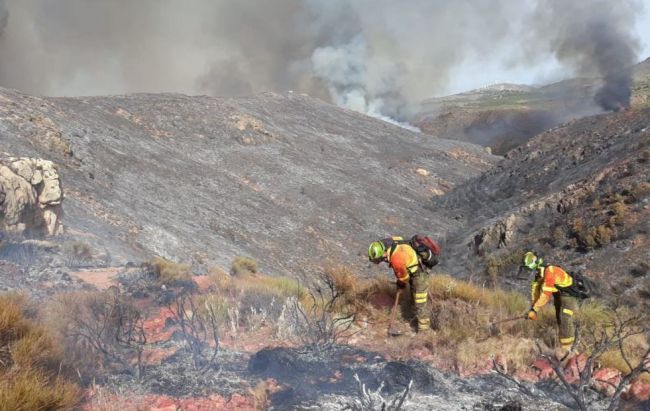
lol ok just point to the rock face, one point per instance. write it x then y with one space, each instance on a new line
286 179
30 197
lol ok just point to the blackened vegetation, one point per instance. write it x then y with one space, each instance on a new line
199 328
322 325
333 381
102 329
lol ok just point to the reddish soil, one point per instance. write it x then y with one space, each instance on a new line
102 278
99 400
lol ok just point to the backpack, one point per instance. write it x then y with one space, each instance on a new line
582 287
425 247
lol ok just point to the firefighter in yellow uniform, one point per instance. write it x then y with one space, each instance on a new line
403 259
550 281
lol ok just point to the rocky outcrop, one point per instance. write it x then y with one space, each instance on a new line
30 197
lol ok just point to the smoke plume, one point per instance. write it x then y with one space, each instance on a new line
593 37
3 16
381 57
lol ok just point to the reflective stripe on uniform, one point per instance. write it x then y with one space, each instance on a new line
567 340
567 311
420 298
423 324
549 289
403 279
413 268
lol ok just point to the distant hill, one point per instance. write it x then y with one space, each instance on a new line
503 116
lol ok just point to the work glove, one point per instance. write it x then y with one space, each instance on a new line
532 314
400 284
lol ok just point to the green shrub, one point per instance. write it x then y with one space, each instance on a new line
242 265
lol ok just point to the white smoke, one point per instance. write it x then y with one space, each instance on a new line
381 57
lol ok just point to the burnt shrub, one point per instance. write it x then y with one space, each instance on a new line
640 270
101 331
77 253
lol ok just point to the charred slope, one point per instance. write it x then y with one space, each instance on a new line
286 179
579 193
329 382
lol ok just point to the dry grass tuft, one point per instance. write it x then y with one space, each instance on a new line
220 278
444 287
30 364
168 272
243 265
345 281
516 353
281 287
260 394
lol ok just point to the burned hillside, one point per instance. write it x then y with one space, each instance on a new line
301 187
577 193
284 178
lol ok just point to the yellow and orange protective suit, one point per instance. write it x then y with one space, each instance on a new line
404 261
546 283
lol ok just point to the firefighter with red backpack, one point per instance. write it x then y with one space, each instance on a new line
409 261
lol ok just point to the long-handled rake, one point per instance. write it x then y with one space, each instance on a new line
494 330
392 332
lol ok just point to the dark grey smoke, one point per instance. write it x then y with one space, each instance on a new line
594 37
4 14
381 57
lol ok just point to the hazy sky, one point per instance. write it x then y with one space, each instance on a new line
478 72
381 57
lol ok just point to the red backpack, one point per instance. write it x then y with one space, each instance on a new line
427 249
